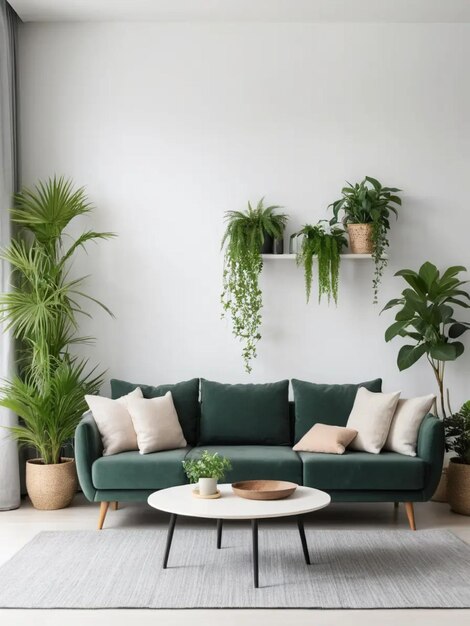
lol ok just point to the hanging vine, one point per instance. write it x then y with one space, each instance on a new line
325 243
241 296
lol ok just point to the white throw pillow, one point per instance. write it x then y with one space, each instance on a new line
371 416
409 414
114 422
156 424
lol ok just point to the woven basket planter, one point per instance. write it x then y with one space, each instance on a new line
458 487
51 487
440 495
360 238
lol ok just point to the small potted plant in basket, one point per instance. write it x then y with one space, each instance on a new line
366 208
457 428
206 471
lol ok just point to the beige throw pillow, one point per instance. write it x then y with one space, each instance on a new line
324 438
114 422
403 435
371 416
156 424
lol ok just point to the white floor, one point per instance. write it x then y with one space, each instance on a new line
18 527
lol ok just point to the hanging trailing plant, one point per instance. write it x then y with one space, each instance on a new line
325 243
241 296
368 202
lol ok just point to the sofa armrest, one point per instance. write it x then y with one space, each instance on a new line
431 447
88 448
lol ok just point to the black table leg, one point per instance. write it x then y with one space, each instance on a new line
300 524
219 533
171 530
254 529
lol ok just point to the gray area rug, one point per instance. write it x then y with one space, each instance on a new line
350 569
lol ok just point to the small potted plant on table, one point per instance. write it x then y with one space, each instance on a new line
457 428
206 471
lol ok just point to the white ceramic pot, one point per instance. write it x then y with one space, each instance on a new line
207 486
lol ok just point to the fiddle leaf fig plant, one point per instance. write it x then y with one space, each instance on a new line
368 202
426 316
325 243
241 296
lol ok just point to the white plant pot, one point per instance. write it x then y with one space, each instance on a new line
207 486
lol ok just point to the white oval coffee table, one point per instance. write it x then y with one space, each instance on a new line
180 501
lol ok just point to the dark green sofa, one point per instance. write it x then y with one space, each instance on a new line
256 426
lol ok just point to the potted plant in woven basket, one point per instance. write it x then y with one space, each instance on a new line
324 242
366 209
427 319
206 471
457 428
244 237
41 309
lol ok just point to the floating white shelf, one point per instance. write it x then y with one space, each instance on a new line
291 257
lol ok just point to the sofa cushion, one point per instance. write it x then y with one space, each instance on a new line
114 421
326 439
325 404
371 416
156 424
244 414
257 462
362 471
185 397
132 470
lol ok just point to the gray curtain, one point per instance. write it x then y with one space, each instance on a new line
9 465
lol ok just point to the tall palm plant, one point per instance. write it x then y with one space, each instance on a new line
42 310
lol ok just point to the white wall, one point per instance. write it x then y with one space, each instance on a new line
170 125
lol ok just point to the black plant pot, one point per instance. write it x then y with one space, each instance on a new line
278 247
268 244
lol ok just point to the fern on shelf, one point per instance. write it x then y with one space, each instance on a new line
325 243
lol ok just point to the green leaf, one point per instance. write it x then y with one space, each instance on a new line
391 303
428 273
459 303
414 280
375 183
395 329
408 355
458 329
444 351
406 314
452 271
445 312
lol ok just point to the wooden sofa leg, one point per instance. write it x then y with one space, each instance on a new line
103 510
410 514
115 506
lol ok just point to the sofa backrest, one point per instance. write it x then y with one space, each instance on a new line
244 414
253 414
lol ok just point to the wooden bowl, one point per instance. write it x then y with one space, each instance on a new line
264 489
